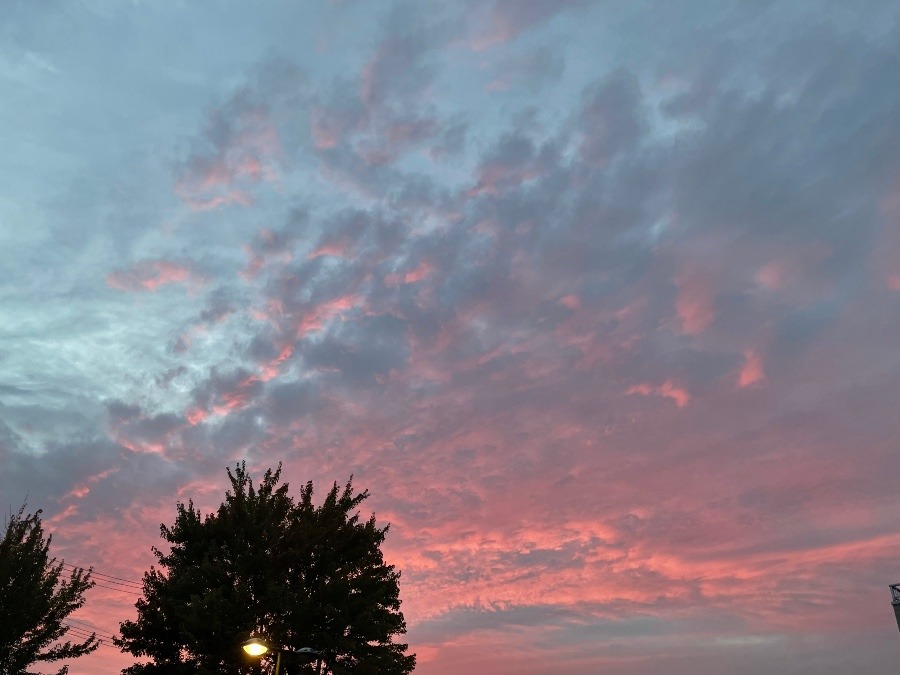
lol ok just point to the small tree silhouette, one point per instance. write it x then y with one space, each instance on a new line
35 598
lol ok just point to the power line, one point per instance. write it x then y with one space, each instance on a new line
69 622
103 639
79 632
100 642
117 584
110 582
100 636
84 623
107 577
120 590
84 635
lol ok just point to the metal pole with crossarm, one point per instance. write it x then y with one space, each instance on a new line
257 647
895 601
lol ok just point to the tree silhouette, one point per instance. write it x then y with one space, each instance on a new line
35 598
301 575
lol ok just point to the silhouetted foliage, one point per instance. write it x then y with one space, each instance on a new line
263 564
35 597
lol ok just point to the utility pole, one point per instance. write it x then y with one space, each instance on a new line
895 601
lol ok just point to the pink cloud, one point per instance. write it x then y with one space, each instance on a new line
270 252
84 488
227 394
667 390
56 520
137 446
407 131
338 249
254 265
573 302
229 198
388 139
422 271
149 275
324 128
771 276
611 565
249 155
236 398
510 18
331 126
695 302
315 319
271 369
796 274
195 416
752 371
606 336
498 177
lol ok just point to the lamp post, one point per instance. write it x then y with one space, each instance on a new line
258 647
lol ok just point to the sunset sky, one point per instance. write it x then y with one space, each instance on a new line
600 300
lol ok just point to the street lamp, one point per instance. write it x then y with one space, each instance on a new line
255 647
258 647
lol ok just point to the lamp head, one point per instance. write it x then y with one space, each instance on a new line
255 646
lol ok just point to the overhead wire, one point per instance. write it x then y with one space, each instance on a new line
119 589
81 621
84 625
83 630
80 633
100 642
107 578
109 582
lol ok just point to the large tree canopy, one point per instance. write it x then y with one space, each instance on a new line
301 575
35 598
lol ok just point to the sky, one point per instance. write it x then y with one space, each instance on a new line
599 300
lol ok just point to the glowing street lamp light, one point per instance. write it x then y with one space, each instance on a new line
255 647
258 647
